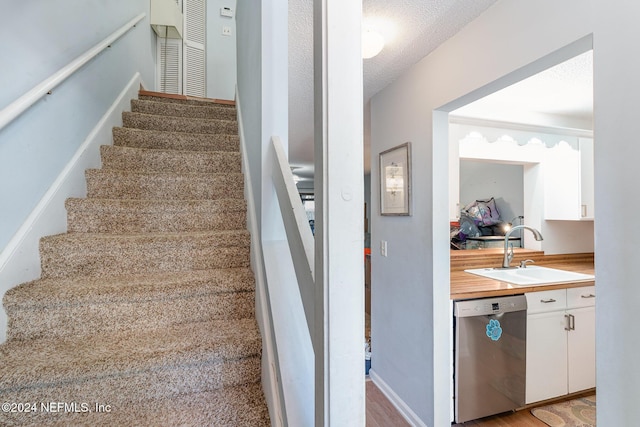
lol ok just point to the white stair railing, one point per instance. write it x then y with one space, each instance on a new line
297 228
20 105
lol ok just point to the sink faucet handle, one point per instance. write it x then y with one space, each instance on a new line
523 263
508 250
510 253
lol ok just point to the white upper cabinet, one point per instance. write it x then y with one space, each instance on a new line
568 180
586 176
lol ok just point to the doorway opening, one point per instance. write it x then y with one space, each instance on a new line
458 119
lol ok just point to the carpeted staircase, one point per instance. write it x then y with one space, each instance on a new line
144 314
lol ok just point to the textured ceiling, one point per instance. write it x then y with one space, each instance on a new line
559 96
412 29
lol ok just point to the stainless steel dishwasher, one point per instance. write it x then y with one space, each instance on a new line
490 356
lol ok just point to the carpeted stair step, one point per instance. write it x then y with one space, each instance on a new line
90 254
182 110
140 138
191 100
146 304
125 368
178 124
83 305
154 160
153 216
115 184
242 405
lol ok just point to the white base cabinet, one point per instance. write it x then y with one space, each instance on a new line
546 356
581 354
560 342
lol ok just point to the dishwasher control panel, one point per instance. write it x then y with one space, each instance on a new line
486 306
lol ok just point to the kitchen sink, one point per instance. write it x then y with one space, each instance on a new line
531 275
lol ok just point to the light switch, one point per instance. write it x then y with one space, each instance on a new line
226 31
383 247
226 11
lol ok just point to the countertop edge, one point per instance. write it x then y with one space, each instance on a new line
507 289
465 285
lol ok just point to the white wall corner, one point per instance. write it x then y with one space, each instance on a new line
20 259
396 401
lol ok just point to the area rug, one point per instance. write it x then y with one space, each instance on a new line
573 413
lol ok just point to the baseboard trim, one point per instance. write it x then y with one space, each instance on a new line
396 401
271 386
20 259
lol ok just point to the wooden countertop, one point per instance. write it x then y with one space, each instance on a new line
467 285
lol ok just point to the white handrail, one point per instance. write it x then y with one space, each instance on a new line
297 229
20 105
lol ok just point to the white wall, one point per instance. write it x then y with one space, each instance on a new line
249 81
263 93
566 237
410 295
617 90
481 180
221 51
38 40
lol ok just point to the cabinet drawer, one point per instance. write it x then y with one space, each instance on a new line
539 302
581 297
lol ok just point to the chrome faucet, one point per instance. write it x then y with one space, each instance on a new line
508 247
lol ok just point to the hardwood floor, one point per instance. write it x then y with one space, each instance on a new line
522 418
380 412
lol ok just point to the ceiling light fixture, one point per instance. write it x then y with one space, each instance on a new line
372 44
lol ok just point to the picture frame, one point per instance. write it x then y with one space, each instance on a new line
395 181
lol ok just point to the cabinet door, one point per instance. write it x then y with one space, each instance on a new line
546 356
195 27
586 178
582 349
562 190
169 70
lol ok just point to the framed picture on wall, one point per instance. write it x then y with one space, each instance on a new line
395 180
